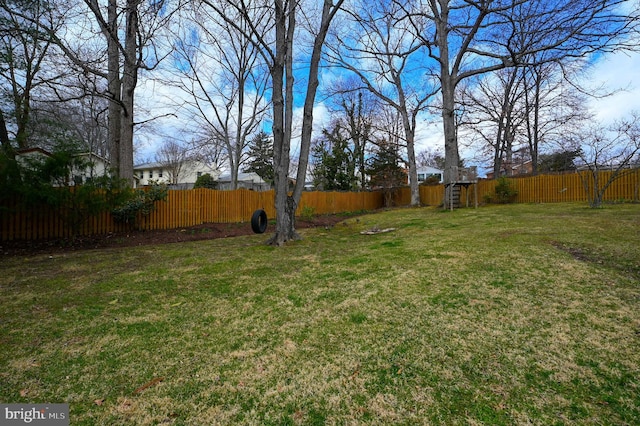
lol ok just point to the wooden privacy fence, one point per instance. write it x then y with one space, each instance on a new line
536 189
197 206
180 209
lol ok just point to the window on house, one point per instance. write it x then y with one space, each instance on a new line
420 177
199 174
150 174
160 173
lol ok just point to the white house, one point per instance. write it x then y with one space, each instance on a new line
245 180
188 173
95 165
426 172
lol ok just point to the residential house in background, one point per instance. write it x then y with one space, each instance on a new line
426 172
95 165
183 176
245 180
516 168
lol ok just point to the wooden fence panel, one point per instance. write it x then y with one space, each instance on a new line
431 195
535 189
194 207
338 202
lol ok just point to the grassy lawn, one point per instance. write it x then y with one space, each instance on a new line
523 314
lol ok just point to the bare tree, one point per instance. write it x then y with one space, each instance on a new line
554 104
515 112
433 157
354 113
206 147
381 49
25 44
613 149
128 29
493 110
172 157
474 37
272 28
219 69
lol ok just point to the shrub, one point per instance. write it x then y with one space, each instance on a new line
141 203
431 180
505 192
206 181
307 213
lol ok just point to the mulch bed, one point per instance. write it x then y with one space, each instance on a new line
206 231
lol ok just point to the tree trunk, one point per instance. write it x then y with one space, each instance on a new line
413 171
448 83
5 143
286 205
409 125
129 82
451 154
285 221
114 86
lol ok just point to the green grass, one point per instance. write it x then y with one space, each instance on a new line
520 314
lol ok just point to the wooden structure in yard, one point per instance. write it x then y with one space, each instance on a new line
456 178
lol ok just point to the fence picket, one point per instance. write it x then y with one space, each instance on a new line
194 207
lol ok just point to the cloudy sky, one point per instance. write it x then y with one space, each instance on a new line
619 72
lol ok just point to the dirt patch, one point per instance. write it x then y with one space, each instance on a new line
624 265
205 231
578 253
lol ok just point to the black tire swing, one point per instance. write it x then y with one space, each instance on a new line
259 221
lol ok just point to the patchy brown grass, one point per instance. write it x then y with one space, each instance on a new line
471 317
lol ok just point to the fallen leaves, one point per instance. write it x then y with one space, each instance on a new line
376 230
126 403
148 385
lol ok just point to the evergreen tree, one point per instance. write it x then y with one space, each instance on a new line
206 181
261 157
334 163
559 161
385 172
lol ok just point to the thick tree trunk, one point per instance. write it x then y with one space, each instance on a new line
129 82
286 204
114 86
451 154
448 82
285 224
411 157
4 138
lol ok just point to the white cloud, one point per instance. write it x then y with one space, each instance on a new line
617 72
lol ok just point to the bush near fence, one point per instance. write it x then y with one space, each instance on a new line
198 206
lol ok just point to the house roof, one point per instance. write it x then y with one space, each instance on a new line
24 151
157 165
242 177
36 150
429 169
148 166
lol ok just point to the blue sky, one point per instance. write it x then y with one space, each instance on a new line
614 71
